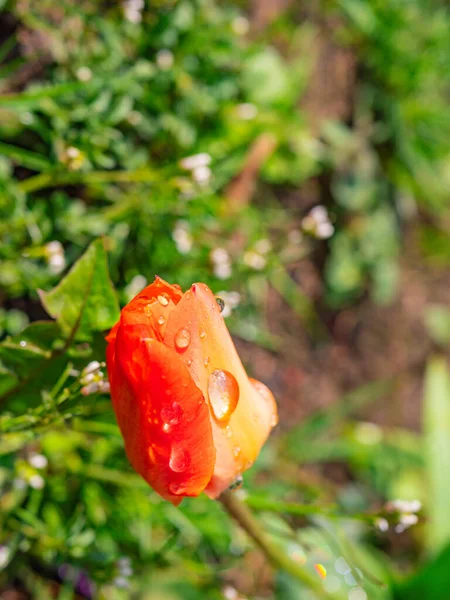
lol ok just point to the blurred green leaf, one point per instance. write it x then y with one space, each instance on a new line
437 321
85 300
436 425
432 582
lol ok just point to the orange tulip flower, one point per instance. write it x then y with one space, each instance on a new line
191 419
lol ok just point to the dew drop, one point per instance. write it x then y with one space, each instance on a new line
237 483
202 334
182 339
223 392
161 320
189 362
179 460
22 344
221 303
163 300
171 415
206 361
228 432
236 451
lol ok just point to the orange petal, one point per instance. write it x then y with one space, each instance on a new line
238 440
162 415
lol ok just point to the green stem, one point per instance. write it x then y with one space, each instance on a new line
58 178
274 553
330 511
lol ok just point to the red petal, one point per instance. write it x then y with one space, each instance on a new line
162 415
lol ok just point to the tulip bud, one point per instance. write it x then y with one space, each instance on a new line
191 419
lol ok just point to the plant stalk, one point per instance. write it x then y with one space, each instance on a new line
273 552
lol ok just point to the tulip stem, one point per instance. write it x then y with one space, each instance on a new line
273 552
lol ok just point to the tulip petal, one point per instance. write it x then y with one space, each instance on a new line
162 415
211 348
146 310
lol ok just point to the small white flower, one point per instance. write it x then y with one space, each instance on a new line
90 388
189 163
382 524
404 506
246 111
5 554
133 10
221 263
164 59
36 482
182 237
202 175
317 223
240 25
55 256
407 520
222 270
38 461
104 387
254 260
136 285
121 582
84 74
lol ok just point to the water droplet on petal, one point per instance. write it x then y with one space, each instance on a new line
236 451
237 483
221 303
179 460
163 300
206 361
161 320
202 334
171 415
189 362
228 432
22 344
182 339
223 392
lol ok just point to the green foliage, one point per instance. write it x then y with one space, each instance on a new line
101 111
437 449
84 301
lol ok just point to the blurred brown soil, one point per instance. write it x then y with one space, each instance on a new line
367 343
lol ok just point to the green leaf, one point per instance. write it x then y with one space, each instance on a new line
437 321
25 351
34 161
436 425
432 582
85 300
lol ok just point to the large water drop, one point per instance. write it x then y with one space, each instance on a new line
182 339
223 392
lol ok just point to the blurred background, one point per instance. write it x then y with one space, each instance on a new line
295 157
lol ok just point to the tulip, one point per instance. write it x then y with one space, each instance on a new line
191 419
